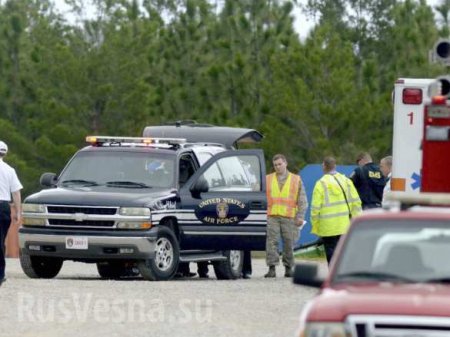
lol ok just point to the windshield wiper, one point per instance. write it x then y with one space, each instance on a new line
127 184
373 275
80 181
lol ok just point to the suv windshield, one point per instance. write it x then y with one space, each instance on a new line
396 250
119 169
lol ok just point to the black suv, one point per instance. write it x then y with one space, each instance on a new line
150 203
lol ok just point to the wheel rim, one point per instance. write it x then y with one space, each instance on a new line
164 254
235 259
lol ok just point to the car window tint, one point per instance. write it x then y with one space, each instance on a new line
186 169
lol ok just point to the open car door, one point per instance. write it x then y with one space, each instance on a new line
224 203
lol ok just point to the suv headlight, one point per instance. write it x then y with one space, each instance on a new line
134 211
320 329
33 208
28 210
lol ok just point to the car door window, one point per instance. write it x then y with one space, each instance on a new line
235 173
186 169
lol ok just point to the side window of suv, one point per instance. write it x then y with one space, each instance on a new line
186 169
237 173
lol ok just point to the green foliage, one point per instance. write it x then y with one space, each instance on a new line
236 63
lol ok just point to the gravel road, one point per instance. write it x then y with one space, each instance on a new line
79 303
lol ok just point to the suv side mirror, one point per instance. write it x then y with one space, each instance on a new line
200 186
48 179
307 274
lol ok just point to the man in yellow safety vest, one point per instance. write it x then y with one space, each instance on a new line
286 206
334 202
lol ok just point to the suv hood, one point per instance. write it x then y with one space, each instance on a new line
101 196
381 299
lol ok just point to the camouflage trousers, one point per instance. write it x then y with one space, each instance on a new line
288 230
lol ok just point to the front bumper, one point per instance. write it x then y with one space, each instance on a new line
101 245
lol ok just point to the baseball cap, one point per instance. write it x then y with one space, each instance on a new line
3 147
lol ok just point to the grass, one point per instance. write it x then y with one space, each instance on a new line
315 253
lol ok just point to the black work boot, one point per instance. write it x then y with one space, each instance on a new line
288 272
271 273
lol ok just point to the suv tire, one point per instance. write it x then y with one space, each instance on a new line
165 263
40 266
231 268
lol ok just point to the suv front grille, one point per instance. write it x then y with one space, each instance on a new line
81 209
398 326
79 216
74 223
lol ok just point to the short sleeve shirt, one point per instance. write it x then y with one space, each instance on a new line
9 182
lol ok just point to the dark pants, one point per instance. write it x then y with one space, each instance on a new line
202 268
5 221
247 266
330 243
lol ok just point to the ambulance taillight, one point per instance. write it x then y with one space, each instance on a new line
412 96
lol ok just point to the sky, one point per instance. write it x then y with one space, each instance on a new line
302 24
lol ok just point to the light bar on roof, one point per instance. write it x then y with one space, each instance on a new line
97 140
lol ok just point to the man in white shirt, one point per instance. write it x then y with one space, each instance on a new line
9 186
386 169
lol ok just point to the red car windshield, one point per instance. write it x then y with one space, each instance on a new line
396 250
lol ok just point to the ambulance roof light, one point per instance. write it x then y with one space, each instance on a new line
412 96
439 100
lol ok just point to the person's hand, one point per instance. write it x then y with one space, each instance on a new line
16 217
299 222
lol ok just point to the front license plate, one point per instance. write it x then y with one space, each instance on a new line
76 242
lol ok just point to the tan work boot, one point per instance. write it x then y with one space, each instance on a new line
271 273
288 272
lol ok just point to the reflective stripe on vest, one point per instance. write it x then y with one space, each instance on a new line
282 203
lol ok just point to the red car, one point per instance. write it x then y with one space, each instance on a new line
390 277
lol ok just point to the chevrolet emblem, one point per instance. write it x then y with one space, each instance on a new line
79 217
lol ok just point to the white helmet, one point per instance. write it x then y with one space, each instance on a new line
3 148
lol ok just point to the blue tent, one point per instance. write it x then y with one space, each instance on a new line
310 174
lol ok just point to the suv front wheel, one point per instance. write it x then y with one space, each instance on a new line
167 254
39 266
231 268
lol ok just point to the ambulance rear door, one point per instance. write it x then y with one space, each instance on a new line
409 98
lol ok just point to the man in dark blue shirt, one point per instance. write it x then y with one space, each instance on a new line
368 181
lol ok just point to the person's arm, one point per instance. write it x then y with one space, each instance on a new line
302 204
355 177
17 202
316 205
354 200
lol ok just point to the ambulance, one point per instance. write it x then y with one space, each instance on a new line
409 97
